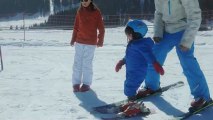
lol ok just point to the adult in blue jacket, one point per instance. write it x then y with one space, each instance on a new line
176 23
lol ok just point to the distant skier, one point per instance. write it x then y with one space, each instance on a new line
138 55
88 20
175 25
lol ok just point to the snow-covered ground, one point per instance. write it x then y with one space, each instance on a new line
36 81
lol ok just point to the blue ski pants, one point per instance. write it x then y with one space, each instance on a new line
189 64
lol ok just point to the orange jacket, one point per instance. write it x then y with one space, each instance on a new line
87 23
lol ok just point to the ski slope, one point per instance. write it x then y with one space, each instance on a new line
36 81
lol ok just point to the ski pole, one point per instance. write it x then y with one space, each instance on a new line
1 59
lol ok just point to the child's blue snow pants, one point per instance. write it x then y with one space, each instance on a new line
190 66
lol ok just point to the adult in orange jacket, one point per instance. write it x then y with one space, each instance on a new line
85 38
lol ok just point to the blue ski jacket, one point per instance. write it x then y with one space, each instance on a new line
138 55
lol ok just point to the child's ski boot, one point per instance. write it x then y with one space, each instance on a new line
132 109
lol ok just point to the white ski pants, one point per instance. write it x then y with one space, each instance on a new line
83 67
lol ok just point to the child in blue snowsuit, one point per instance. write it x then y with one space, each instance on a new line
138 55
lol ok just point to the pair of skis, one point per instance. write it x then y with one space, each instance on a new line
114 108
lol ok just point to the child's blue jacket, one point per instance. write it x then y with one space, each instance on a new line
138 55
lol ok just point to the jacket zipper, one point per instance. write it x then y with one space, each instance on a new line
169 4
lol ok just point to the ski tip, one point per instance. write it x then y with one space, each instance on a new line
111 110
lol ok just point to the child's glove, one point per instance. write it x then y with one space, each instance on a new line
158 68
119 65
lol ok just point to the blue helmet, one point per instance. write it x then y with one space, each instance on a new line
138 26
